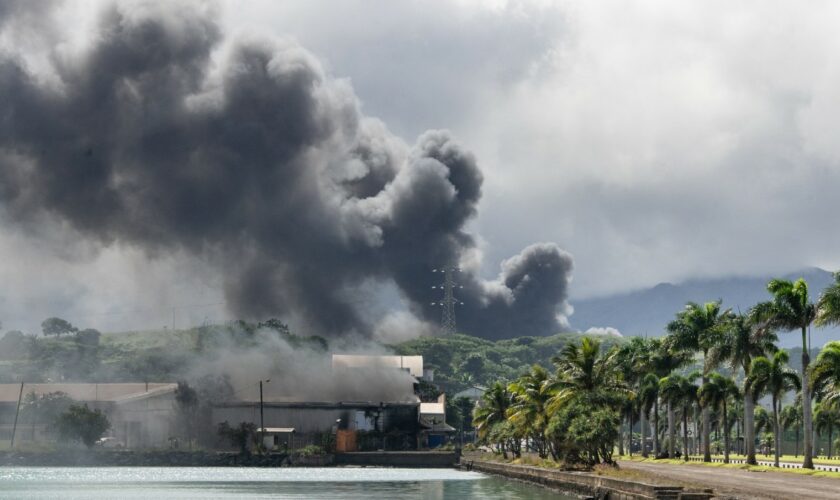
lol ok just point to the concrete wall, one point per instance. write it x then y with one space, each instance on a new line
398 459
319 418
585 484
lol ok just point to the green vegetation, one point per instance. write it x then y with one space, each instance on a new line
461 361
80 423
87 355
239 436
310 450
576 414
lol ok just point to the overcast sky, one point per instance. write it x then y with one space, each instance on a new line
654 141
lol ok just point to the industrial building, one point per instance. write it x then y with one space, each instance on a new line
141 414
372 419
372 405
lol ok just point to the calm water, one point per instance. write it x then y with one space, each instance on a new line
233 482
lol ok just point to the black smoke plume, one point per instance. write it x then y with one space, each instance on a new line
260 163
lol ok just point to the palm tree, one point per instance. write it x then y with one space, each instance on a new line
585 373
828 306
698 328
776 378
492 410
715 394
826 418
633 358
648 396
582 371
825 373
791 309
791 417
742 341
763 422
669 389
677 390
663 359
531 393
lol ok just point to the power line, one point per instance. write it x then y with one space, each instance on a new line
449 301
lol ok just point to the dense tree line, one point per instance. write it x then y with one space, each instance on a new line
595 395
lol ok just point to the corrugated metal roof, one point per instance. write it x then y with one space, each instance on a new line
89 392
432 409
414 364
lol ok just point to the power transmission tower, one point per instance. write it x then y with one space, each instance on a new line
448 303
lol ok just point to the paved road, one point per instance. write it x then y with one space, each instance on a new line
744 484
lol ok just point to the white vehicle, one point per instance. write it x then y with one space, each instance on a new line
109 442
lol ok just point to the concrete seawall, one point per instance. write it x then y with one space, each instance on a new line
398 458
585 484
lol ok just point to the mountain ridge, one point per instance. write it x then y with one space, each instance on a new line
646 312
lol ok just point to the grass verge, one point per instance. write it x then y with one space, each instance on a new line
750 468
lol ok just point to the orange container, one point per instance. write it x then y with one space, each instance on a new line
345 440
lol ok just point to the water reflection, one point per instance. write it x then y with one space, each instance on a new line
223 483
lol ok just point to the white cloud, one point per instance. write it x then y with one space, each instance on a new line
605 331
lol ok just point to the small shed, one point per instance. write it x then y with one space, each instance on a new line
277 438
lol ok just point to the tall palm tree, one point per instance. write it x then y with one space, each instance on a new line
828 306
633 360
791 309
775 378
742 341
791 418
827 418
664 359
669 390
583 371
528 412
648 396
715 394
699 328
677 390
825 373
763 422
492 410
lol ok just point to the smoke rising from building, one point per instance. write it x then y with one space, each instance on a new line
164 135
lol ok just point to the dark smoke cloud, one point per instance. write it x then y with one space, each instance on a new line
260 163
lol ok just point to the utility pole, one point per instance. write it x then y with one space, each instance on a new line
449 301
17 412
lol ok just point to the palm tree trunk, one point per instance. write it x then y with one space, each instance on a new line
642 425
621 440
776 436
796 450
725 435
707 435
672 431
685 433
656 429
808 461
697 432
630 443
749 423
830 429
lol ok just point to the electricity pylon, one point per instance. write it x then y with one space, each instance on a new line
449 301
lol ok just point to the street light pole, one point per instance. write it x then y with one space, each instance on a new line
262 420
